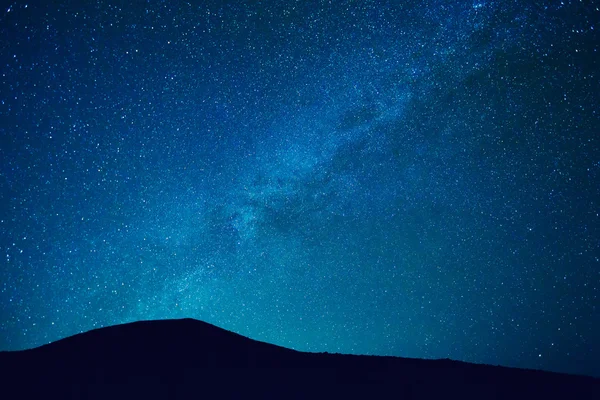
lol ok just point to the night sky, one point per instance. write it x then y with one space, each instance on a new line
415 178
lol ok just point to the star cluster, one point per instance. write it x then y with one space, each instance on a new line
416 178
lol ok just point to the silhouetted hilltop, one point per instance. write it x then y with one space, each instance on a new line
192 359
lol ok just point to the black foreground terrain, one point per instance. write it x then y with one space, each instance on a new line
192 359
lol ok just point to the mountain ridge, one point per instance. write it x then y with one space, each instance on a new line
187 357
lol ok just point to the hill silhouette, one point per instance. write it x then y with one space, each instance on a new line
192 359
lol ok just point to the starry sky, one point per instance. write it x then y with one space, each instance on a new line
415 178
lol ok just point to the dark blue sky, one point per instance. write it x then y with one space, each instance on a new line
413 178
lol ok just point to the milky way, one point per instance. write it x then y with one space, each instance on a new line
416 178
